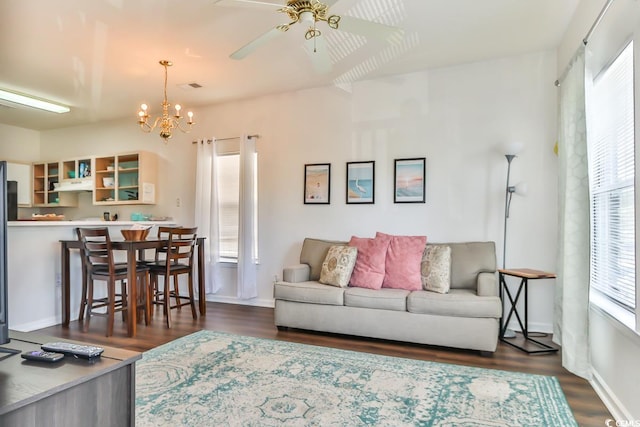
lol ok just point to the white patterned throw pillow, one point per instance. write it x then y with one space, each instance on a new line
435 268
338 265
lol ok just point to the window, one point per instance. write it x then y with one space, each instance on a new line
611 180
228 179
228 168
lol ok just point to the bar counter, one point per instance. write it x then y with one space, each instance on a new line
35 276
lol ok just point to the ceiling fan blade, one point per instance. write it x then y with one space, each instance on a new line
370 29
241 3
316 47
254 44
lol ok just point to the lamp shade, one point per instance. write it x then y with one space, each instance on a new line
521 188
513 148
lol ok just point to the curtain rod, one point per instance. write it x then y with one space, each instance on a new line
586 38
209 141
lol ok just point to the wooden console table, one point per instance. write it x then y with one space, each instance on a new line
525 274
72 392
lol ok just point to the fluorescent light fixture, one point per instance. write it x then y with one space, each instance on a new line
32 102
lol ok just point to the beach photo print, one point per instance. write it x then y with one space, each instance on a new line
360 182
317 183
409 177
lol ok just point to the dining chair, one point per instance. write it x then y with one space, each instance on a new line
178 260
99 265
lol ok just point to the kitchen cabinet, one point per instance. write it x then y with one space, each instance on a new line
46 179
76 170
125 179
21 173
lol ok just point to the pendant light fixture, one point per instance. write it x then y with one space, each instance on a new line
166 123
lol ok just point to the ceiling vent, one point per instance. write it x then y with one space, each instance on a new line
190 86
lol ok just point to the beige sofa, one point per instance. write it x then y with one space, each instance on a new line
468 316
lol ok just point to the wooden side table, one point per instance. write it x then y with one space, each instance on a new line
524 274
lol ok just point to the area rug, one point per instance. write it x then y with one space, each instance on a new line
217 379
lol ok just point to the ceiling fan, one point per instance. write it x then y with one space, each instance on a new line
312 12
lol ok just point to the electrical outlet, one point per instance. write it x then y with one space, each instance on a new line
178 202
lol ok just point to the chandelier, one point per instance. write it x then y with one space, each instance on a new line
166 123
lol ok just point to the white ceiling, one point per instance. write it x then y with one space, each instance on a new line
100 57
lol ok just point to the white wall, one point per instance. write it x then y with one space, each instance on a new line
457 117
615 349
19 144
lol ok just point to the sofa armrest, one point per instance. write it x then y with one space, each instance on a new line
296 273
487 284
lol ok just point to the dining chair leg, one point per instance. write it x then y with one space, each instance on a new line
147 305
123 299
111 292
85 325
167 301
176 290
83 296
153 293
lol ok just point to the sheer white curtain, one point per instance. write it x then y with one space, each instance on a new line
247 233
571 323
206 218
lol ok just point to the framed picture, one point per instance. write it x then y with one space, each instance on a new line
409 177
361 182
317 183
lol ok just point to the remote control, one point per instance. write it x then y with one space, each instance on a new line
42 356
77 350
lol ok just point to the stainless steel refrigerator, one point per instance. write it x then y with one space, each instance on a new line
12 200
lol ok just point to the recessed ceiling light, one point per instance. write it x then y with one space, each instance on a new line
32 102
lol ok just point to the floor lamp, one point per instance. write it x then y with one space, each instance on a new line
520 189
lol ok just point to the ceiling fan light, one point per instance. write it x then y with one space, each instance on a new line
333 21
307 17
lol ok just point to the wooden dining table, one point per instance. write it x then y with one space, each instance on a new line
133 248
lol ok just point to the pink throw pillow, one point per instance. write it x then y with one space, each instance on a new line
369 269
403 262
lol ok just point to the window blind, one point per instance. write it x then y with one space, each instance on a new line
611 176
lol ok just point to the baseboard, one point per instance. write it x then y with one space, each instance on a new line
32 326
617 409
256 302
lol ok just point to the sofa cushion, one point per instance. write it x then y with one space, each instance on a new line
402 264
436 268
468 260
311 292
338 265
313 253
457 303
384 299
369 269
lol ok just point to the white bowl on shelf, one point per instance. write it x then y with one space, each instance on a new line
107 181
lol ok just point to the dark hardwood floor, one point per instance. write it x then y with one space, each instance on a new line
258 322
